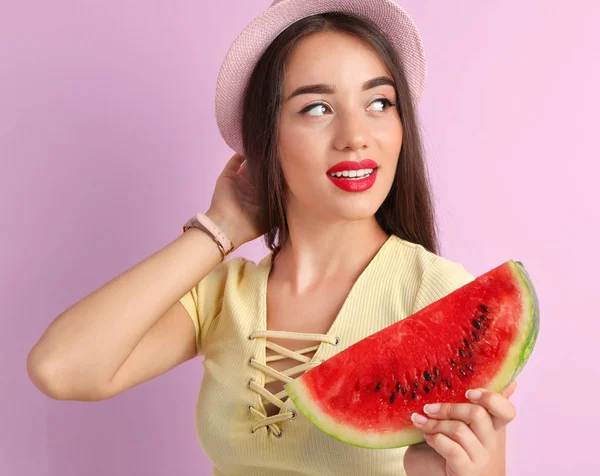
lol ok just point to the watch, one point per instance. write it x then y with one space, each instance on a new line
200 220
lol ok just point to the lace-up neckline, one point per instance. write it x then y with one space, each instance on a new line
306 363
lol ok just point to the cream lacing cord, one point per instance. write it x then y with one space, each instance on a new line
285 376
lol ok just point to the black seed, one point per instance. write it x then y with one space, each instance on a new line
436 371
475 335
427 389
416 385
483 308
483 318
378 386
463 373
427 376
466 342
453 363
432 383
403 390
461 352
448 383
469 354
413 395
469 367
477 324
392 397
398 387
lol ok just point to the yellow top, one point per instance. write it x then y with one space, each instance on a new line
228 307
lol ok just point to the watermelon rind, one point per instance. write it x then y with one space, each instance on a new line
517 356
534 320
526 335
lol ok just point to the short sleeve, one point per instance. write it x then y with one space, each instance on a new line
440 279
203 302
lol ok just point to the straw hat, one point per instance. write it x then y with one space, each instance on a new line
248 47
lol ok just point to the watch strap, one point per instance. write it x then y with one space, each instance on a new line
202 221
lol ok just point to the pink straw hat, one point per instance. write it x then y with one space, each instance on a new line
248 47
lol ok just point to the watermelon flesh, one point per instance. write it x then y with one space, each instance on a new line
479 336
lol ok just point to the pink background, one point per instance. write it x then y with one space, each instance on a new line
108 144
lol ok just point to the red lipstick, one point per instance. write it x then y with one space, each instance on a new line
353 184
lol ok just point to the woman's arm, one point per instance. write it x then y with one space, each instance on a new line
84 348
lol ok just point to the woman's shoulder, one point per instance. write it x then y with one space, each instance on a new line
237 268
420 260
240 271
433 276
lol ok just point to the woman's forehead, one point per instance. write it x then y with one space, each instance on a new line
333 58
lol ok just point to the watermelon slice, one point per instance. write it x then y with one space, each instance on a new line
480 335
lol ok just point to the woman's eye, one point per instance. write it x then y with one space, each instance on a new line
313 107
318 109
385 101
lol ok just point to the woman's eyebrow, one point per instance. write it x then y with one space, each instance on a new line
330 88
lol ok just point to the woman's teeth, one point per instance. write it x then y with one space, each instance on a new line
353 174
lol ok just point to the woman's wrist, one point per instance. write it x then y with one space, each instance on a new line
227 226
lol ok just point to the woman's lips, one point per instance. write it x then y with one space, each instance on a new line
354 184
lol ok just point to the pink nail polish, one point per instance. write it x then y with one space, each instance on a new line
473 394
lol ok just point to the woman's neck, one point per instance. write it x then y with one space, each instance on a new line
316 254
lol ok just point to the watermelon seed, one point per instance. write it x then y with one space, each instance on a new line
482 317
475 335
461 352
392 397
477 324
398 387
463 373
416 385
427 389
448 383
483 308
403 390
432 383
436 371
427 376
466 342
452 363
469 354
413 394
378 386
469 367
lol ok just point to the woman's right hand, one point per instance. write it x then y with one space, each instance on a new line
235 204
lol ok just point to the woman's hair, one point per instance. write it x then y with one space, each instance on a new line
407 211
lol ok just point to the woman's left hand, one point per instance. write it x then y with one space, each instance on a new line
460 437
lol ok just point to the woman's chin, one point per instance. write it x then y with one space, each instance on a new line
355 211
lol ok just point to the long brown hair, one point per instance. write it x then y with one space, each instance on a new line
408 210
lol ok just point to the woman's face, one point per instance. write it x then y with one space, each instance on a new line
339 121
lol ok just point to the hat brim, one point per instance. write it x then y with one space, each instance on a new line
252 42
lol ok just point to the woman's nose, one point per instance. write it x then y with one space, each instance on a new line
350 132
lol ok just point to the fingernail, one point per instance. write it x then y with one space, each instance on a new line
419 419
473 394
432 408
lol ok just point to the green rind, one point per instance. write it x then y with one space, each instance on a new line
519 353
534 322
517 357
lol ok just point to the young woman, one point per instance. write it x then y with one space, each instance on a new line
318 101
